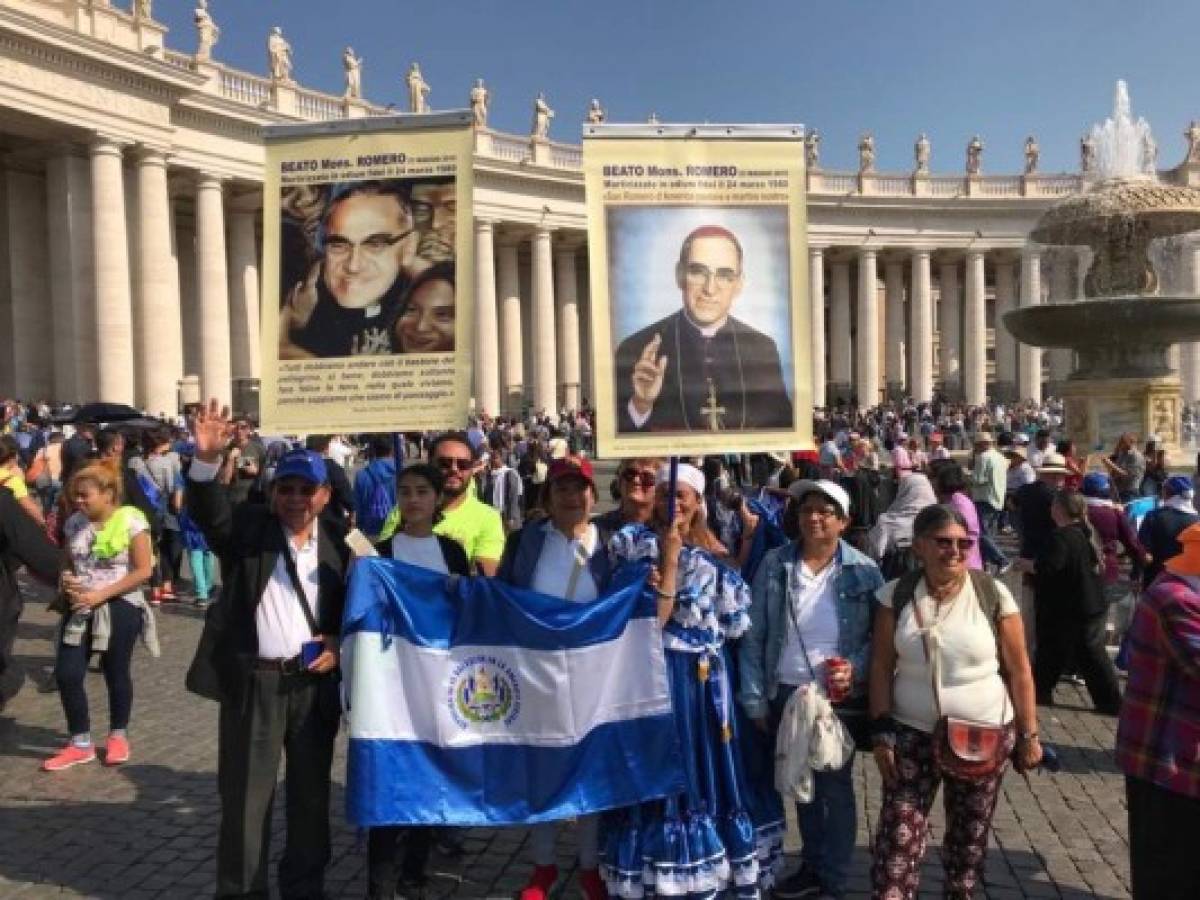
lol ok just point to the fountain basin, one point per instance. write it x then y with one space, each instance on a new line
1117 337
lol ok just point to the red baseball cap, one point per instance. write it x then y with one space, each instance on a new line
571 466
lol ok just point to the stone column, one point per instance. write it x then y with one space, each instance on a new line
60 247
1189 354
487 337
245 345
866 370
158 324
510 329
1006 345
114 304
949 330
1029 370
921 326
1062 290
816 296
566 297
545 374
32 336
895 346
975 330
212 289
839 332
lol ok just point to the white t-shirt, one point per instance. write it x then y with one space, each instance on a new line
813 599
969 680
425 552
558 562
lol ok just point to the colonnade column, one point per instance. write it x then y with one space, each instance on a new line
244 303
1189 354
158 345
816 297
544 366
975 331
1062 290
32 335
866 376
487 337
949 330
63 246
895 346
566 297
1029 369
1006 344
839 332
921 326
212 289
110 254
510 329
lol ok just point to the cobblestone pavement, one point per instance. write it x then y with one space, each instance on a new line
148 829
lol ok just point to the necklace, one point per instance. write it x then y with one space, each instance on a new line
942 592
737 351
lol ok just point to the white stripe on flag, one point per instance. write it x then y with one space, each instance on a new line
404 693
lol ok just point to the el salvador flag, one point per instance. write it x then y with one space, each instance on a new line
475 703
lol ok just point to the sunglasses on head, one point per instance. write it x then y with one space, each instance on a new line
645 479
307 489
963 545
449 462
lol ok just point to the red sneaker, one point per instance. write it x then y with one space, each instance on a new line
540 882
592 884
69 756
116 751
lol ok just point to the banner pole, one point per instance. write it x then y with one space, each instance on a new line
671 482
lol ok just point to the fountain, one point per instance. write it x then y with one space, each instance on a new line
1122 331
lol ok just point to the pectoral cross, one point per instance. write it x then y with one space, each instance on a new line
712 412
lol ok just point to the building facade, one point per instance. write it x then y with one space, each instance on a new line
130 238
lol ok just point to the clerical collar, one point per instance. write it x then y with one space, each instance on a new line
708 331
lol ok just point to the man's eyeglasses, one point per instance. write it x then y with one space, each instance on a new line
962 545
423 212
644 479
450 463
821 512
308 489
698 273
338 247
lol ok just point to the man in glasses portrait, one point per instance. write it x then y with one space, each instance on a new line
699 368
370 237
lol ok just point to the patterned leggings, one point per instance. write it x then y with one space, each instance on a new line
903 832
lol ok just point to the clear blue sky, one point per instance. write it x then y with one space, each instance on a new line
1002 69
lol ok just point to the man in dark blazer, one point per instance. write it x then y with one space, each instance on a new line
700 369
277 659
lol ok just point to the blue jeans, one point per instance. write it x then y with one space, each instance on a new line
828 823
989 518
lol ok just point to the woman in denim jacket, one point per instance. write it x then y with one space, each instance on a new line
813 602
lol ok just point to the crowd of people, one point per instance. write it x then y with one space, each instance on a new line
856 596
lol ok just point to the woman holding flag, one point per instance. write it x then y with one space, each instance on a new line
563 555
705 840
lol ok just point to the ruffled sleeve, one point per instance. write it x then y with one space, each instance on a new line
633 544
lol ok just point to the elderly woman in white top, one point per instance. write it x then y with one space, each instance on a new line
942 637
891 535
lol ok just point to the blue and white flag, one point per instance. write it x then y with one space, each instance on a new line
475 703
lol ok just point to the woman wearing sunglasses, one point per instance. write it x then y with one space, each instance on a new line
948 660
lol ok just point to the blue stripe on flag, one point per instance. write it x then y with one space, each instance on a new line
417 783
441 613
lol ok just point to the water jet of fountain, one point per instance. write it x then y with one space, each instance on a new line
1125 147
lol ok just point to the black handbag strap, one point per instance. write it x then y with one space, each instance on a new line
297 587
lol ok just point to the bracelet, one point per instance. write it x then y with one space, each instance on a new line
883 739
1028 736
663 595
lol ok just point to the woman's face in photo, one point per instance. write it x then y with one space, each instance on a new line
427 324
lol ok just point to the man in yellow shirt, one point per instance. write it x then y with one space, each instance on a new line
465 518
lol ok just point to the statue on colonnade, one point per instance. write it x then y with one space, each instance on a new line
1193 140
418 90
974 156
480 98
1087 154
1149 154
143 9
1032 154
595 113
921 153
812 150
207 32
542 114
866 153
353 66
279 56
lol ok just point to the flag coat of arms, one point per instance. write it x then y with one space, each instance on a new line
471 702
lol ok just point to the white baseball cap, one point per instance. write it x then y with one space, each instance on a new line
830 489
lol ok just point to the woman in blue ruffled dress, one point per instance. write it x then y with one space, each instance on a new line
721 833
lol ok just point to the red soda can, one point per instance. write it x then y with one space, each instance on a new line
835 667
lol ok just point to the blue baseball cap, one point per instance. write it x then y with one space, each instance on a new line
302 464
1178 485
1097 484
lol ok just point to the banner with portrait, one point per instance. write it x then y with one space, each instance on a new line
367 297
699 289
